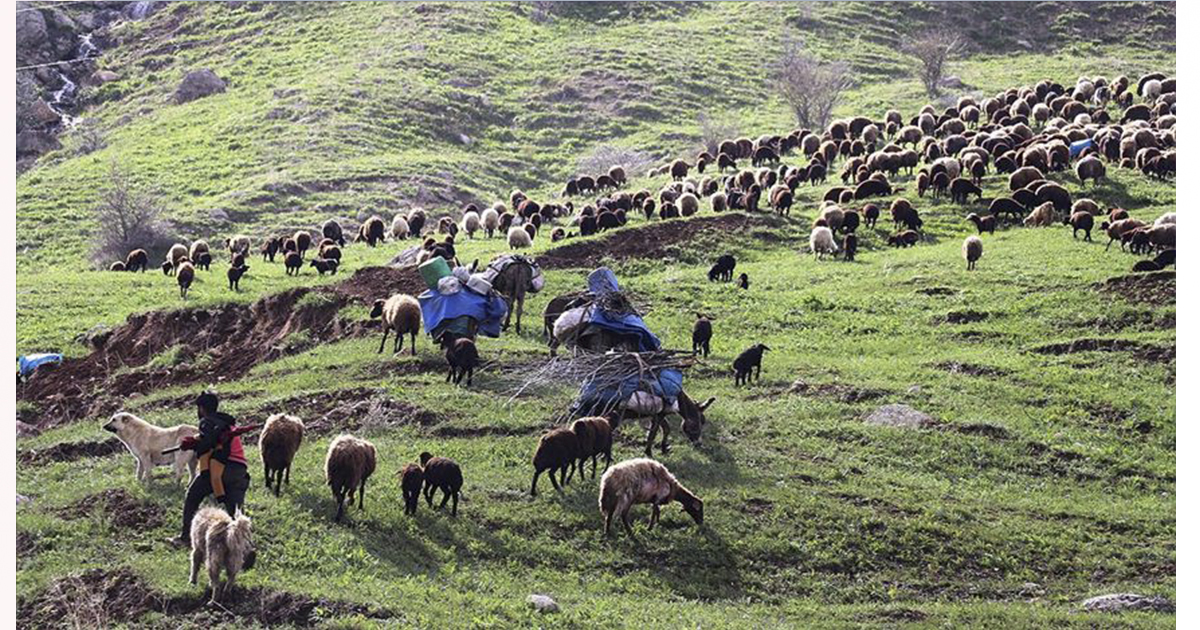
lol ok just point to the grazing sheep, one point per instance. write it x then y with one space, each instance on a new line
972 250
833 217
723 268
462 357
184 275
1146 265
1023 176
720 202
330 252
1162 236
491 221
471 224
270 247
679 170
849 247
1165 258
1166 219
147 442
1042 216
961 188
821 242
1004 206
518 238
203 260
443 474
235 276
137 260
292 263
399 227
904 214
750 360
907 238
1118 229
1081 220
220 541
595 439
348 464
324 266
557 452
400 314
280 439
372 231
239 244
983 224
643 481
411 480
850 222
117 266
870 213
701 335
167 268
688 204
332 230
416 222
1091 168
178 252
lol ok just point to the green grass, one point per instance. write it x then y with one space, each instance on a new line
1044 470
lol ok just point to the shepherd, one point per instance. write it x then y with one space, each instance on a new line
223 471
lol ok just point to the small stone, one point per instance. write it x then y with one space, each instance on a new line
542 603
22 499
105 76
198 84
24 429
901 416
915 389
1120 602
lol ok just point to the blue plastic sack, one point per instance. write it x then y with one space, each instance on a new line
487 310
1078 147
27 364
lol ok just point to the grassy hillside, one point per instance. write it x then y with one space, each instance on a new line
1038 483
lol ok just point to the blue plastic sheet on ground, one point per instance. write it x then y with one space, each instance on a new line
27 364
488 310
1078 147
666 383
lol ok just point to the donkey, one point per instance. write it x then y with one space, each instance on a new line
646 405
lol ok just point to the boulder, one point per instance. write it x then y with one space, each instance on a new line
30 142
901 416
32 35
42 114
198 84
542 603
100 77
1120 602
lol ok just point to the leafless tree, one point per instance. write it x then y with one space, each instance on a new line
933 49
811 87
713 131
128 218
606 156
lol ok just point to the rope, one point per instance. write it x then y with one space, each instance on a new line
53 63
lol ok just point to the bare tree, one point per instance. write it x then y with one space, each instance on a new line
713 131
933 50
811 87
128 218
606 156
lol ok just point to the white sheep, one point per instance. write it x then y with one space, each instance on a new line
972 250
518 238
1166 219
399 227
643 481
491 221
821 242
401 314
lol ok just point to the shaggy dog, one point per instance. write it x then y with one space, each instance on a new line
221 542
147 442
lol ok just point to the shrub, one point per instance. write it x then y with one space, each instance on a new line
607 156
812 88
128 218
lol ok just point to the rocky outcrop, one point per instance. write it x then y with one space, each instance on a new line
198 84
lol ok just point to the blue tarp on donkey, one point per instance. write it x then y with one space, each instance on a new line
438 310
665 383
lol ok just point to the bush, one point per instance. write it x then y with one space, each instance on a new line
812 88
933 49
87 137
607 156
128 218
714 131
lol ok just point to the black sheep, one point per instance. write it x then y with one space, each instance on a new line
411 480
723 268
462 357
235 275
701 335
748 362
442 474
324 265
292 263
849 247
744 281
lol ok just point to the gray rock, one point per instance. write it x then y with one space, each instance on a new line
1120 602
42 114
30 142
100 77
542 603
953 82
22 499
24 429
31 32
198 84
901 416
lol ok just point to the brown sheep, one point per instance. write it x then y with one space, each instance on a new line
280 439
907 238
400 314
983 224
557 452
184 275
234 275
679 170
442 473
303 242
1118 229
462 357
1081 220
1091 168
349 462
137 260
701 335
1042 216
596 433
411 480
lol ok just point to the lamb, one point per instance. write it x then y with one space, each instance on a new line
220 541
280 439
849 247
463 358
821 242
411 480
332 230
743 281
701 335
750 360
518 238
348 464
983 224
137 260
235 276
443 474
147 442
961 188
292 263
402 315
471 223
907 238
557 452
1042 216
972 250
595 439
1081 220
491 221
723 268
184 275
643 481
399 227
324 265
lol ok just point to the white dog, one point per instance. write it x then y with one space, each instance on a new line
147 442
220 542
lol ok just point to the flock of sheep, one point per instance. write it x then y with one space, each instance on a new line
949 152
